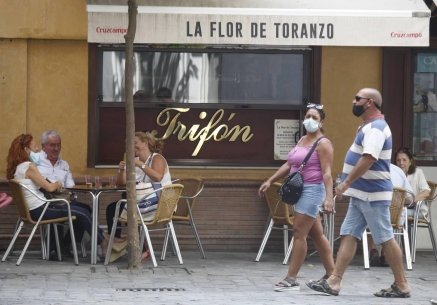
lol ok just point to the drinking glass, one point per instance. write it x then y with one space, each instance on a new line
98 182
88 182
112 181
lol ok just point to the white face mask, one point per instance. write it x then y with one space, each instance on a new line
35 158
311 125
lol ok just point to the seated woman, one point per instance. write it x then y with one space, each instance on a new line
20 167
404 159
150 166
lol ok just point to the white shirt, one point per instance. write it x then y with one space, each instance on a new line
20 174
58 172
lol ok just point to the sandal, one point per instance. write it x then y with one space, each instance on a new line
283 286
311 282
394 293
323 287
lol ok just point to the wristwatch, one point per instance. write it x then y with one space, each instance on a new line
143 166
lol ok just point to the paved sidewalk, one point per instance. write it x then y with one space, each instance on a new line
221 278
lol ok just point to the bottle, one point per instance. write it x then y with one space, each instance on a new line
338 180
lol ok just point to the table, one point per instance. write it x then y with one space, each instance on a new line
95 193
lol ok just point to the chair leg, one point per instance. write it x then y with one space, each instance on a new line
73 239
175 241
82 247
16 228
365 251
149 242
433 240
196 236
58 248
43 243
287 255
413 250
164 246
264 241
407 245
285 239
11 245
47 236
27 244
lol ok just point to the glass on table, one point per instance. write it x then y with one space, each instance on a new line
88 181
98 182
112 182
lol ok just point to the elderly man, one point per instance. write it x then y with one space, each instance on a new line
366 179
53 168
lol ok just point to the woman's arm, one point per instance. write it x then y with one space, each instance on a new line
423 186
33 174
281 172
157 171
121 176
325 152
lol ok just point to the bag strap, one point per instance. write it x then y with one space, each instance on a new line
304 162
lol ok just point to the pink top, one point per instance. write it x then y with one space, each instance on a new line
312 171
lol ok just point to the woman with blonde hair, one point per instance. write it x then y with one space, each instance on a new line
150 166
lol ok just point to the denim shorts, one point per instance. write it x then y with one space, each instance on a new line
312 196
361 215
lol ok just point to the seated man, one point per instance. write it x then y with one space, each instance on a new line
53 168
398 179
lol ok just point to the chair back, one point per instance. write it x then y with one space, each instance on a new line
20 201
279 211
432 186
397 206
192 188
167 203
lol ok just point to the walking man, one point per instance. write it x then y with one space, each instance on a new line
366 179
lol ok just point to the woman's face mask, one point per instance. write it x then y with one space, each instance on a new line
35 158
311 125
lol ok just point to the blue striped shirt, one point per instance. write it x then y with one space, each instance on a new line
374 138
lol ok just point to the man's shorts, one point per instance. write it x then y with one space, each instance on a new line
361 215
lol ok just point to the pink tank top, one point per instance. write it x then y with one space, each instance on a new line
312 171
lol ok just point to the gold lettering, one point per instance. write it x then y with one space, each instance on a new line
221 132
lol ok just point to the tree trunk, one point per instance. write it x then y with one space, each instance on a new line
134 255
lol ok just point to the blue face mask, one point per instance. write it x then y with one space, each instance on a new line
35 158
311 125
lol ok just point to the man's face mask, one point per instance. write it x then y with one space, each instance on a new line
358 110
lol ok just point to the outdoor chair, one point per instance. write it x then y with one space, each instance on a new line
281 218
184 212
416 222
24 216
168 198
397 206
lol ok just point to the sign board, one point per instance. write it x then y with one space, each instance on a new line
285 137
427 62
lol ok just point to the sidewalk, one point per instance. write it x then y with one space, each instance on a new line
221 278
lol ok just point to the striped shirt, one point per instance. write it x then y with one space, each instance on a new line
375 186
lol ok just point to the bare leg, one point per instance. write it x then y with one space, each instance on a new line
322 246
394 256
301 227
345 254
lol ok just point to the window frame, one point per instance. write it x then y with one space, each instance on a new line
311 85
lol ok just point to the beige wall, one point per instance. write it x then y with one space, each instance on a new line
43 19
345 70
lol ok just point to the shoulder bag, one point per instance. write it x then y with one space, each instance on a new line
291 190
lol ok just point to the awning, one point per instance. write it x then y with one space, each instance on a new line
264 22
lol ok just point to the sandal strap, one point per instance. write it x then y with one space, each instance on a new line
290 281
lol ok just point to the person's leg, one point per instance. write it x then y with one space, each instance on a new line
322 246
374 258
301 227
78 230
383 234
110 213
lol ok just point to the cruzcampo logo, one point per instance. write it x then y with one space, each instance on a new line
215 129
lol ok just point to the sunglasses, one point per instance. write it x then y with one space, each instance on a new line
404 150
359 98
317 106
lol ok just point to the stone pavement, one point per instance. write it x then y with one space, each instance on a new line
221 278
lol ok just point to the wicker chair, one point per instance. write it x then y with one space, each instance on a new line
416 222
281 217
163 217
24 215
396 208
184 212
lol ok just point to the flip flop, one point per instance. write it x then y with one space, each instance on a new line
282 286
394 293
323 287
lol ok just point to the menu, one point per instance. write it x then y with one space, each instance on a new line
285 137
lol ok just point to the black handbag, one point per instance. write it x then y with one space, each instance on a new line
291 190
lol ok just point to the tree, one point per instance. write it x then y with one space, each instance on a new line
134 256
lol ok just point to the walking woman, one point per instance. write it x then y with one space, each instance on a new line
317 190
